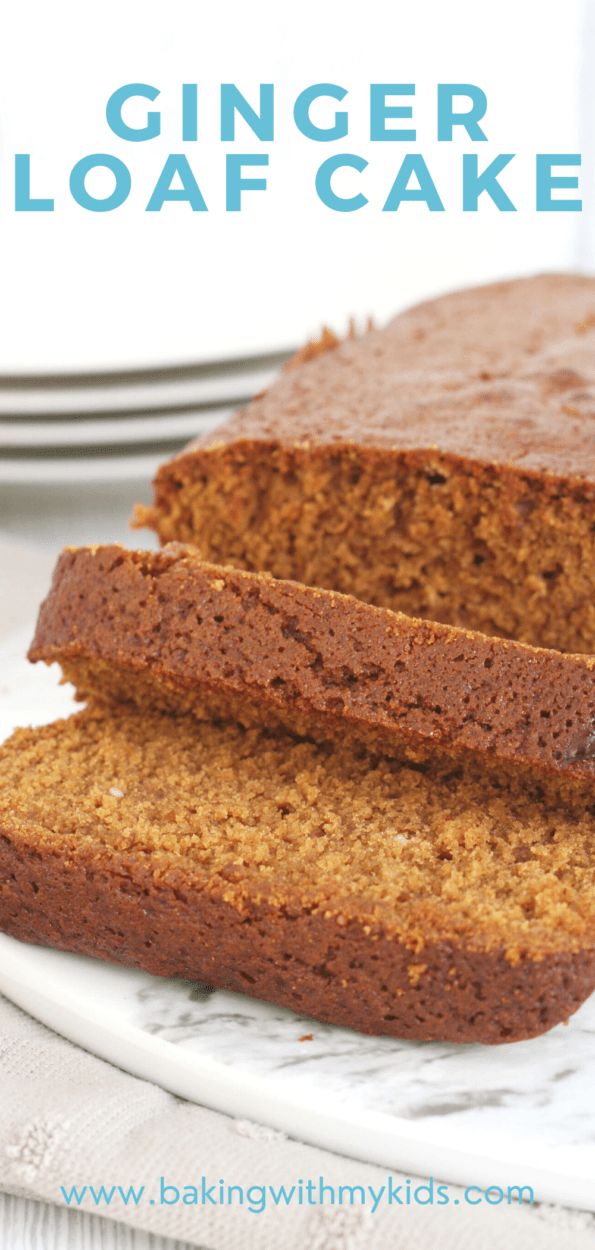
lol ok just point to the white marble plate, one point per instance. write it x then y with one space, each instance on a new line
516 1114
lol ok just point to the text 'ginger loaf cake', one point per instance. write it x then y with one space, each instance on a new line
443 466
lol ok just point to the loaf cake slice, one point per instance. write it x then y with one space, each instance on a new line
413 900
443 466
165 630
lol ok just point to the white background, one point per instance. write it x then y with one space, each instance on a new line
82 288
79 289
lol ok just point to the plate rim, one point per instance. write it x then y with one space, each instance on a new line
392 1142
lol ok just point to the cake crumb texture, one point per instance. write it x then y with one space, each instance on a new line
411 899
443 466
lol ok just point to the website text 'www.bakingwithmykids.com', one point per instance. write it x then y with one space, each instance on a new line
257 1197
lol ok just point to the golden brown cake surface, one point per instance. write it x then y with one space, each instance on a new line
503 373
414 900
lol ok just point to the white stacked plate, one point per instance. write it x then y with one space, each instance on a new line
94 427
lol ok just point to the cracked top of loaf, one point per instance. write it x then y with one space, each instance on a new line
502 373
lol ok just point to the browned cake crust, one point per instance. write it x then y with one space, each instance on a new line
167 630
444 465
118 909
501 374
235 858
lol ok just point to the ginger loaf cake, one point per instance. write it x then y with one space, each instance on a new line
165 630
414 900
443 466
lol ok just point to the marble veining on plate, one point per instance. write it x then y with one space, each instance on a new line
547 1083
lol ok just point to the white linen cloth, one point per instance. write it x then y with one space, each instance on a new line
68 1118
